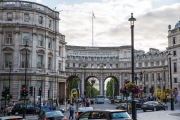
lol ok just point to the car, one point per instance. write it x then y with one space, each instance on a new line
12 118
44 108
99 99
81 110
51 115
154 106
121 106
104 114
18 109
117 99
139 103
60 109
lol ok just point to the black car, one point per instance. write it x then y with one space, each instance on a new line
154 106
51 115
104 114
18 109
139 103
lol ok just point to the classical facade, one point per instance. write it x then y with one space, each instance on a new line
31 30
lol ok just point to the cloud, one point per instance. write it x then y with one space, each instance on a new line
111 25
39 1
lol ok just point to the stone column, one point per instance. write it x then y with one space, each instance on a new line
155 81
101 84
16 56
1 42
46 54
82 83
34 52
120 83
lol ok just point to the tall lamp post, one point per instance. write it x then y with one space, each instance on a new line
132 19
24 111
10 65
172 100
92 82
164 87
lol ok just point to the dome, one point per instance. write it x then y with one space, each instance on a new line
177 25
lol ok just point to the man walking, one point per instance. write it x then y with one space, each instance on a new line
71 109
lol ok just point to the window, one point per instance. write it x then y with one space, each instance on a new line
140 64
79 65
174 53
91 65
146 77
110 65
49 63
26 17
125 65
174 40
97 65
104 65
39 61
23 61
163 62
146 64
25 38
9 16
73 64
5 84
175 67
7 59
40 40
67 65
8 38
50 43
125 75
59 50
59 66
152 63
152 76
40 20
175 80
50 23
49 89
157 63
116 65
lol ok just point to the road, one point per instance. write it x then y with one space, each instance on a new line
149 115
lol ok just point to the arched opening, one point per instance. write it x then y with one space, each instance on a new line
111 87
92 87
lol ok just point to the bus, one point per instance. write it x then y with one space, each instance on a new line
99 99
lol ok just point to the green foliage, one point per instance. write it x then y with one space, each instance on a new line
88 88
109 87
74 83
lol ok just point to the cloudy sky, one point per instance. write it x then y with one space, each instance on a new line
111 25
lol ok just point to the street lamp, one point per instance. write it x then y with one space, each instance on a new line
159 79
10 65
132 19
24 111
92 82
172 100
164 68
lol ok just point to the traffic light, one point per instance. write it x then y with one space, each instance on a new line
144 89
11 96
31 90
23 92
85 92
7 93
40 91
3 93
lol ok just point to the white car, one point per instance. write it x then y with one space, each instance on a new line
12 118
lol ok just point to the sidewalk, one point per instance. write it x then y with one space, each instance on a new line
159 115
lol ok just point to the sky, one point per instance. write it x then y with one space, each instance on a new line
111 26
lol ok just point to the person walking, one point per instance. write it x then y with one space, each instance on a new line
9 109
71 109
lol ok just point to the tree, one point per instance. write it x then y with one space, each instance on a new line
74 83
109 87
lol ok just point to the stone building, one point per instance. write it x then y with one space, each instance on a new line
31 30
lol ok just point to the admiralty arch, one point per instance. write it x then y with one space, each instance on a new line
29 29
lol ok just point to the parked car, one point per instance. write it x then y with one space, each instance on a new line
117 99
18 109
51 115
139 103
44 108
82 110
105 114
99 99
154 106
60 109
12 118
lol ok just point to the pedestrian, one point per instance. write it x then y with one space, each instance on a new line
50 107
71 109
9 109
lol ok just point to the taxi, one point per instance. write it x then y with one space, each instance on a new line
12 118
82 110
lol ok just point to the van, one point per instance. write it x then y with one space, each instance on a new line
99 99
